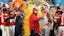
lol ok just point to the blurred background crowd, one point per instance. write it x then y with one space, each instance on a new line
31 18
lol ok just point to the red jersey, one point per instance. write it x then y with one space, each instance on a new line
4 17
0 17
61 19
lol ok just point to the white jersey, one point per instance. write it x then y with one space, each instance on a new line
44 20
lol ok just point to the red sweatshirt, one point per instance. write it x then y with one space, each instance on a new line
34 23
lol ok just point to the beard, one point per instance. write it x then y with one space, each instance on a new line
35 13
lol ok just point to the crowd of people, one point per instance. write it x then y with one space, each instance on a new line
51 21
11 21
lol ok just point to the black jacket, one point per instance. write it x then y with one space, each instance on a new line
18 25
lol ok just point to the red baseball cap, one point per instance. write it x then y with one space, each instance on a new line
35 9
